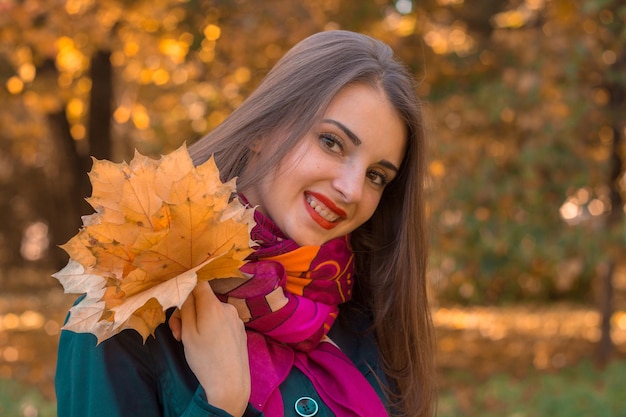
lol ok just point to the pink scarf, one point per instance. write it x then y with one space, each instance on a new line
289 305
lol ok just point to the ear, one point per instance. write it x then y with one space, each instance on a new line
254 155
256 146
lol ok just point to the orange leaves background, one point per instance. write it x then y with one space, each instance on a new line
159 227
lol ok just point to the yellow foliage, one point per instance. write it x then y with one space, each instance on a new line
437 168
212 32
14 85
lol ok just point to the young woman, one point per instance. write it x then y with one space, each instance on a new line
335 319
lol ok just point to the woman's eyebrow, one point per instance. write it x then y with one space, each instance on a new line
388 165
354 138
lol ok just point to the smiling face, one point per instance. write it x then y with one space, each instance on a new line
330 183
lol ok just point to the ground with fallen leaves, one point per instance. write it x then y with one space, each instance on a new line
480 341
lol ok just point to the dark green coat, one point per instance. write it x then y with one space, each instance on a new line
123 377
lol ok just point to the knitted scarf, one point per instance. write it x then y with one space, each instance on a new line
288 306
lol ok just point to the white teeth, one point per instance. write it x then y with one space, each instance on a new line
321 209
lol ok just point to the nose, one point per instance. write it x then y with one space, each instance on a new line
349 182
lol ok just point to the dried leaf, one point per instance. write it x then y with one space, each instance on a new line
159 227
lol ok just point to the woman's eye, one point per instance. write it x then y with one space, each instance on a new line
377 177
331 142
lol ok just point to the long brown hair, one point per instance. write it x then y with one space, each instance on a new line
391 247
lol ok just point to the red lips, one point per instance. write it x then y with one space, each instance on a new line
329 205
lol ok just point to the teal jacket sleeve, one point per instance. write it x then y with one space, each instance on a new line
113 379
124 377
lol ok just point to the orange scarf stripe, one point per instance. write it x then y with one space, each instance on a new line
299 260
295 285
294 261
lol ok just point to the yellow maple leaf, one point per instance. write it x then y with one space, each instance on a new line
159 226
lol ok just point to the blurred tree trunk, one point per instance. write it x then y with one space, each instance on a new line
63 214
615 218
605 345
69 200
100 103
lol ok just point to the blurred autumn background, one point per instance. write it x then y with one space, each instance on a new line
526 113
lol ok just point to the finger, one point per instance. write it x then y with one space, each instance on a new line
208 303
188 313
205 299
175 324
204 291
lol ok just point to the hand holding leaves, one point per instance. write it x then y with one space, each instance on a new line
159 227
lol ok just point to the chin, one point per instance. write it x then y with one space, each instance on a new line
316 241
309 240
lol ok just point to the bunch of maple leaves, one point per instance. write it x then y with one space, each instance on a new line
159 227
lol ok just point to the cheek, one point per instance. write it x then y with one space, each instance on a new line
368 207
